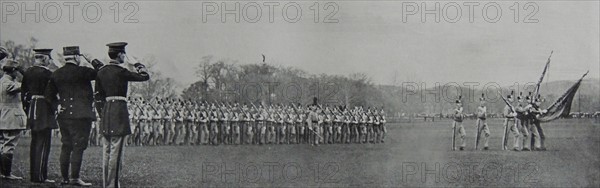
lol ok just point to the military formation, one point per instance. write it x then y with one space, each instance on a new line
168 121
520 121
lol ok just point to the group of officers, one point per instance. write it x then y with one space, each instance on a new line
186 122
41 100
520 120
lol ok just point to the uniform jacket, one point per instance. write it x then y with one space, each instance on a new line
112 80
12 116
40 115
71 87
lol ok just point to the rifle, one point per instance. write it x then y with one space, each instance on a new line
453 136
477 135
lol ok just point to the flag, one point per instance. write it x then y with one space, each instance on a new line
562 106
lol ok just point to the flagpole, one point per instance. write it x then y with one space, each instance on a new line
537 89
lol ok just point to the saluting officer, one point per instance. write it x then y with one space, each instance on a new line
111 86
40 118
71 87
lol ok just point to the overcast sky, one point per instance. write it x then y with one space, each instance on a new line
369 37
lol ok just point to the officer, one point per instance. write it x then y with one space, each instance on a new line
70 87
40 118
111 87
481 123
12 116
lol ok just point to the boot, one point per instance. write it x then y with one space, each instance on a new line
6 165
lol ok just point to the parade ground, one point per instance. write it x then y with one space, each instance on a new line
414 154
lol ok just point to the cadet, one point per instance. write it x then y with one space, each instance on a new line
382 123
510 124
111 86
204 121
482 124
535 124
40 118
261 128
522 122
457 124
71 87
12 116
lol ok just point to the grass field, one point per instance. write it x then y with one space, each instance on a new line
414 154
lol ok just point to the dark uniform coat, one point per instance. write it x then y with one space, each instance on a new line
74 85
39 113
112 80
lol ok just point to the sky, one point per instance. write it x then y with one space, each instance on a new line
369 37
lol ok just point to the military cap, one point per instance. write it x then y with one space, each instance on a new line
482 97
10 64
116 47
71 50
43 52
459 99
3 53
511 95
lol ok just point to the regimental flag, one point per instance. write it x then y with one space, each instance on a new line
562 106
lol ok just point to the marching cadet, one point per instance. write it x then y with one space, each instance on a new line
71 87
292 117
346 129
337 129
111 86
179 114
204 120
533 133
261 128
522 121
535 109
376 127
189 122
214 125
364 121
156 124
140 120
313 121
194 124
482 124
12 116
327 126
225 125
147 123
40 118
302 122
382 123
159 118
457 124
235 124
132 119
356 126
510 124
300 119
170 119
271 123
281 126
249 123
